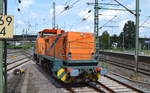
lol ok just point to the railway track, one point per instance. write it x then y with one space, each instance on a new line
127 78
14 56
84 88
111 85
106 84
18 63
128 66
14 52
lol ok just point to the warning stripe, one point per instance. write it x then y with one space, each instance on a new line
54 42
60 71
98 76
64 77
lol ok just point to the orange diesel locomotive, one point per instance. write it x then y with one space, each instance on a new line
70 56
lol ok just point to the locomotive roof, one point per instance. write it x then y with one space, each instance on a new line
55 31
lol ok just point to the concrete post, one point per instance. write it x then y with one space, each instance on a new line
137 36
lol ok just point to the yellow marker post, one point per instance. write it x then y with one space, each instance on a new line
6 26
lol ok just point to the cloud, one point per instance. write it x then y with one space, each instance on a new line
33 15
25 4
108 14
82 29
121 25
144 30
19 22
144 4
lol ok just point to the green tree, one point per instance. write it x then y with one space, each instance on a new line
105 40
129 35
120 40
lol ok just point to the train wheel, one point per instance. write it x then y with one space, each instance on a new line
34 57
69 80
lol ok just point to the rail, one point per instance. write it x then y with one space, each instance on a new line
113 85
127 66
19 62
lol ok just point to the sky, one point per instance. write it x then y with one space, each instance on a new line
36 15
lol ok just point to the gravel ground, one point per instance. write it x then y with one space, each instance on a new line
38 81
129 74
14 84
35 79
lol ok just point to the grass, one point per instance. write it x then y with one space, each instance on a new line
24 47
136 76
141 52
104 65
146 52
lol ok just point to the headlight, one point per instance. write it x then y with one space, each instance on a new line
98 69
73 72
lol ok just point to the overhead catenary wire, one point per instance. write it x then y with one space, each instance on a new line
85 18
125 7
67 2
82 20
108 22
68 7
145 21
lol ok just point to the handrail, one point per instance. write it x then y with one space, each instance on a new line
79 42
83 47
77 55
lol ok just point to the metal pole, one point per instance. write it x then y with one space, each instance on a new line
54 20
23 36
1 55
149 45
5 6
5 65
137 36
26 35
1 68
5 53
96 24
123 40
109 43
